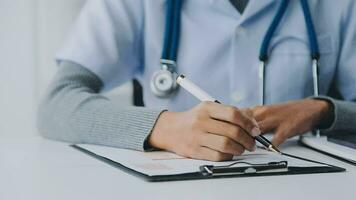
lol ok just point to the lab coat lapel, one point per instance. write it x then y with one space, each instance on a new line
255 7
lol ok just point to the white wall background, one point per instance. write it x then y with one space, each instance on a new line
31 31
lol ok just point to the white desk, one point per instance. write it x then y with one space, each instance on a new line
39 169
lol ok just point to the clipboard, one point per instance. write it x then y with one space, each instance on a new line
232 170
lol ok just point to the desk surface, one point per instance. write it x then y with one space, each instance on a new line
39 169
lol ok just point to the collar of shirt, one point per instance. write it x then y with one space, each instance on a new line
253 7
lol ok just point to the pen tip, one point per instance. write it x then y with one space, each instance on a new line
274 149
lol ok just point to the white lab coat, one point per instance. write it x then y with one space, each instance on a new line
123 39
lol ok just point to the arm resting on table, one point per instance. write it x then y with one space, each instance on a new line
72 110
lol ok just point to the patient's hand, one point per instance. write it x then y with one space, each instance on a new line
209 131
289 119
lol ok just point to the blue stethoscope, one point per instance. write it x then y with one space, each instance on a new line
163 82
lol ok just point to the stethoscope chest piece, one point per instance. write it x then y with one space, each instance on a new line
163 82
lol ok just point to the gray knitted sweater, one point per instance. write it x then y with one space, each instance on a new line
73 110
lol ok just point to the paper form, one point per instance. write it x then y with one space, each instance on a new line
166 163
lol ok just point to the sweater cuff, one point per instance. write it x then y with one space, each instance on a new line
144 122
128 127
146 145
336 120
140 122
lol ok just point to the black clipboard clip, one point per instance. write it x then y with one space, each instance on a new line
246 168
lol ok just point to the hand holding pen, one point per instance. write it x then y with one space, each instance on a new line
203 96
208 131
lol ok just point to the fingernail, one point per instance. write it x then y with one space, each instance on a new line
255 132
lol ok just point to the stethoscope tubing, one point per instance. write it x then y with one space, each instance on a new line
172 32
172 36
314 47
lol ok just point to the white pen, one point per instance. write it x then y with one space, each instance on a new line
194 89
204 96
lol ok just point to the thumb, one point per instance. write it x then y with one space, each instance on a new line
249 114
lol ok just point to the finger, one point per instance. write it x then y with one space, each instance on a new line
205 153
269 125
248 112
221 144
231 131
280 136
261 112
235 116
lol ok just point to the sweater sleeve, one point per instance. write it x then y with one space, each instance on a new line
72 110
344 116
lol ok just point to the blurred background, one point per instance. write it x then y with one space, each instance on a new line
31 32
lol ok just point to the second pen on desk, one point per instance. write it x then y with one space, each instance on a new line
203 96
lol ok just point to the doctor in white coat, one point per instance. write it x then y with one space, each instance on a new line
261 59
